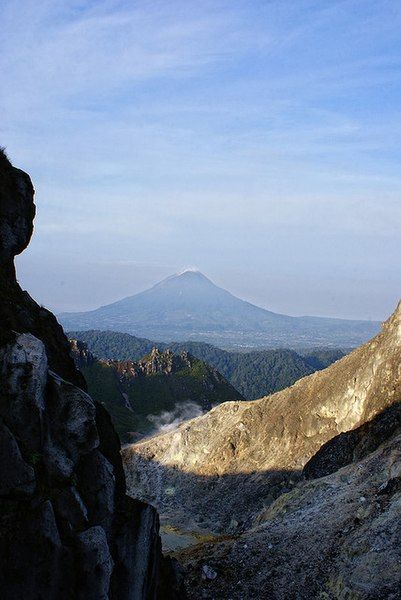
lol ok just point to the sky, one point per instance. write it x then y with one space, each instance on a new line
258 141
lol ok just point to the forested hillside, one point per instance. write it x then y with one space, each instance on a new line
254 374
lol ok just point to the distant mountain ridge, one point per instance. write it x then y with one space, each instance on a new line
253 374
189 306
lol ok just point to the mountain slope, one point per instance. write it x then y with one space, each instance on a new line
151 393
337 537
253 374
244 455
190 306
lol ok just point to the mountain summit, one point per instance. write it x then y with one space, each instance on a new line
190 287
190 306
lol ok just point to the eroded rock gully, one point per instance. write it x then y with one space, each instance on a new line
336 537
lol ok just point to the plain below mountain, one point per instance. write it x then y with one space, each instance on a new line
190 307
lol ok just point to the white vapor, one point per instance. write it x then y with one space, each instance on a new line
167 420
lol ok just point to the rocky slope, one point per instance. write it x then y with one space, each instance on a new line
153 392
67 528
333 538
228 465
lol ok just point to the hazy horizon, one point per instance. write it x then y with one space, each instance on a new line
170 277
255 141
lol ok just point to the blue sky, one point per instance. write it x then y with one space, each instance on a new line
256 141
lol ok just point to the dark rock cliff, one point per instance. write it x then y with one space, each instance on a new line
67 528
18 312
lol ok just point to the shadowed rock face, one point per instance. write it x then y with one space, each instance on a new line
18 312
354 445
256 440
67 529
17 212
336 537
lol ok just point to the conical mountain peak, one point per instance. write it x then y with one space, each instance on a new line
190 278
190 271
188 305
190 275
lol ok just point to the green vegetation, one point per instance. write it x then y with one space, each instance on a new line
254 374
136 394
103 385
114 345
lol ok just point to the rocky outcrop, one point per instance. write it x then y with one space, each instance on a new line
226 466
156 363
17 212
333 538
158 391
308 479
164 362
67 528
80 353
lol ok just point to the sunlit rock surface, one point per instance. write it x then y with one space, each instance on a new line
221 469
305 485
337 537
